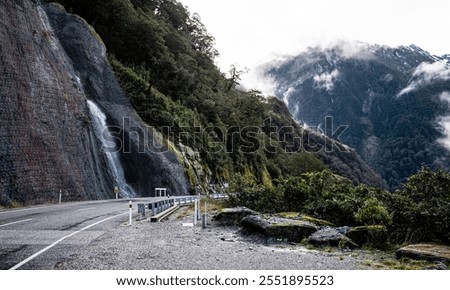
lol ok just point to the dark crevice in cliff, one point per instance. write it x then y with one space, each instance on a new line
47 140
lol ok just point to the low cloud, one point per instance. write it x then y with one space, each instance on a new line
426 73
256 79
444 123
347 48
287 95
445 97
326 80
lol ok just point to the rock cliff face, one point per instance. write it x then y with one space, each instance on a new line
51 63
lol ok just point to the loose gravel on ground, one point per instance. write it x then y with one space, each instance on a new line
169 245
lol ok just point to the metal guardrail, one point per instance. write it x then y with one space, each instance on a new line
159 206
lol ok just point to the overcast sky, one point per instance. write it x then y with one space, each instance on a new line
251 32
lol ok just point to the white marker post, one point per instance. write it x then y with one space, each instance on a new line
116 191
195 212
60 196
131 213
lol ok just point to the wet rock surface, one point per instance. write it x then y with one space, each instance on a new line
429 252
272 226
330 237
51 62
233 216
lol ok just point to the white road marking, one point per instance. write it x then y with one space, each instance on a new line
60 240
17 222
83 209
26 209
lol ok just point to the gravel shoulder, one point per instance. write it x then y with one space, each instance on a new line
171 246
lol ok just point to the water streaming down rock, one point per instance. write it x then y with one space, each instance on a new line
145 164
110 149
51 62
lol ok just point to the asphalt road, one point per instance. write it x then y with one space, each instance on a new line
44 237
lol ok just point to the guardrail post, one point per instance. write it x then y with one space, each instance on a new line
154 209
150 209
141 210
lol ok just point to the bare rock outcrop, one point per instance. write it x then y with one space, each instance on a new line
51 62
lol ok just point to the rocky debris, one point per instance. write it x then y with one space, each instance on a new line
169 246
233 216
428 252
330 237
375 236
271 226
295 227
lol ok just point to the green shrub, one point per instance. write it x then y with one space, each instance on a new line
418 212
375 236
373 212
422 208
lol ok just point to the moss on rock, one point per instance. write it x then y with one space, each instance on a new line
373 235
276 227
430 252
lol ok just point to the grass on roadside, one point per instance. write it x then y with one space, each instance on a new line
402 264
212 206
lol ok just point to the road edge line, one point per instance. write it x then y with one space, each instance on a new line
17 266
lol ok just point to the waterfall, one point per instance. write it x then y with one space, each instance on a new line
103 132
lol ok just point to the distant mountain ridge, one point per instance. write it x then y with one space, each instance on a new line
395 101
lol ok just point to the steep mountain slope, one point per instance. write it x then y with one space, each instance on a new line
394 100
67 125
164 59
51 63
